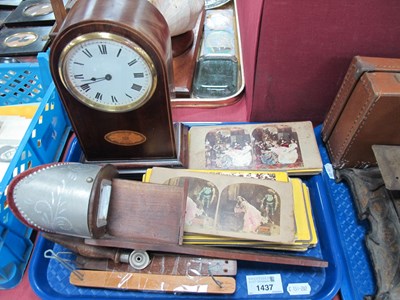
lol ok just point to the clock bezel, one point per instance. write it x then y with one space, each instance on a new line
74 91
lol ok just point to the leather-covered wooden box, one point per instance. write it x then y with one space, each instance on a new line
365 112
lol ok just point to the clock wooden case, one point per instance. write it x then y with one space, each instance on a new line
111 62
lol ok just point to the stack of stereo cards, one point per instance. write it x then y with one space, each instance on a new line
251 209
290 147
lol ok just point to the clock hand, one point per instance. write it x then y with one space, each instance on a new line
85 86
94 79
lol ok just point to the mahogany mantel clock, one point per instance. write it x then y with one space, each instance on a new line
111 62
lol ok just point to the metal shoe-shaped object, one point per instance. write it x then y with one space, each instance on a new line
58 198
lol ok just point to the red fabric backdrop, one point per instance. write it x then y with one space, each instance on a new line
305 48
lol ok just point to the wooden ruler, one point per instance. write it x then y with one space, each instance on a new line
155 282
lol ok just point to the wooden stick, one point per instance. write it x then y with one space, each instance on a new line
59 12
155 282
215 252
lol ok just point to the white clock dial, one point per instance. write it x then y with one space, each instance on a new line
107 72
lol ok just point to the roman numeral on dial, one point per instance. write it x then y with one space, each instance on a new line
99 96
103 49
85 87
87 53
132 62
136 87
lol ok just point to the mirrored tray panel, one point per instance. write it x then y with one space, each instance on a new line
217 78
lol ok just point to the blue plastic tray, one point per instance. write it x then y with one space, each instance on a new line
50 280
358 277
21 83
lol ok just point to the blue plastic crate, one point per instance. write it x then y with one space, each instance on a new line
20 83
50 280
358 276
